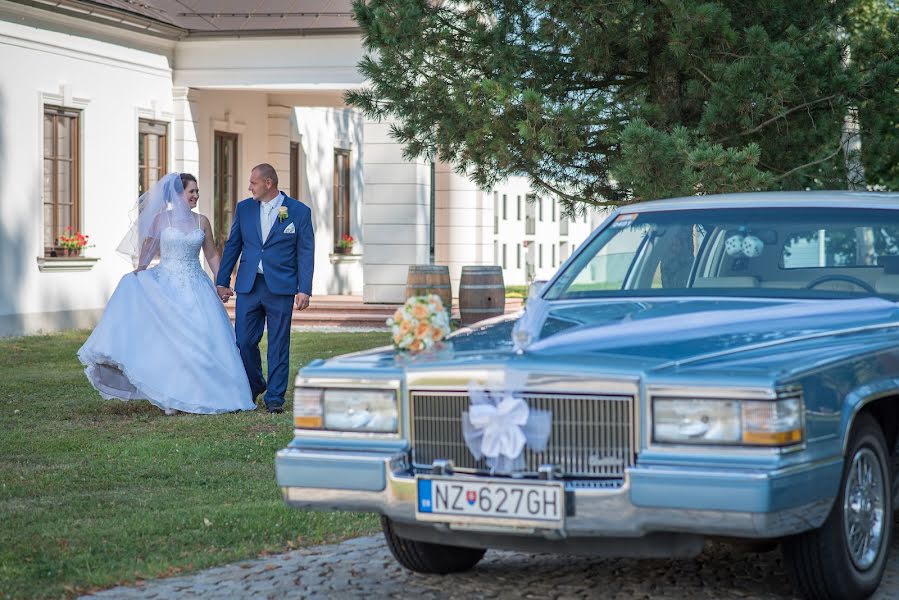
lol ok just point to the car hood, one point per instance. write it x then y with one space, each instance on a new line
653 333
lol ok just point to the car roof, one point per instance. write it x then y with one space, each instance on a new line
809 199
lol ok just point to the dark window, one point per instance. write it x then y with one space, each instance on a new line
530 217
540 256
517 256
505 208
152 153
540 209
495 214
519 208
504 256
294 170
341 195
62 171
224 184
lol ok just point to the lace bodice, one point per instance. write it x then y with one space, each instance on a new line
179 255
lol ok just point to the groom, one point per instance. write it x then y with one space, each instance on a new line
273 235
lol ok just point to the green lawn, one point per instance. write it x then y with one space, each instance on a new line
96 492
516 291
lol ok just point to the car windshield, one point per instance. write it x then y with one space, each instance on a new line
804 252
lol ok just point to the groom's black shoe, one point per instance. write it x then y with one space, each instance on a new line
257 394
275 410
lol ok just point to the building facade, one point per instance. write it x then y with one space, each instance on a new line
98 103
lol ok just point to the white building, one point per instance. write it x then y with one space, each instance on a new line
98 99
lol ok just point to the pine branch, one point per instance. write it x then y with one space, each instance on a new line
810 164
764 124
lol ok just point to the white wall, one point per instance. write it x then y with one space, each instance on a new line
113 84
321 131
463 224
270 63
396 215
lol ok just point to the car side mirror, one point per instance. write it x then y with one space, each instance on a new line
536 287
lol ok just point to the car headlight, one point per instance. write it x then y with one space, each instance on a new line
307 407
750 422
346 409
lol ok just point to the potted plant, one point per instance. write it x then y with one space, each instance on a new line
345 244
73 242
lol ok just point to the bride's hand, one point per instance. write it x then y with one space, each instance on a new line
224 293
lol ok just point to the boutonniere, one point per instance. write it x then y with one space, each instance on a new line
282 213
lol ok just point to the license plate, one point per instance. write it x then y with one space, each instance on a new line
453 499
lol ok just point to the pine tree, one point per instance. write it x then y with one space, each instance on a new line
609 102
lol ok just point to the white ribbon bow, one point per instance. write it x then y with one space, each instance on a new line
501 426
497 427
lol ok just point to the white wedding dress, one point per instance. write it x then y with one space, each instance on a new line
165 337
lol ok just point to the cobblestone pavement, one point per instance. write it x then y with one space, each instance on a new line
364 568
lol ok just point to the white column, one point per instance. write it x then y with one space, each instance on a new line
186 148
279 142
396 215
464 224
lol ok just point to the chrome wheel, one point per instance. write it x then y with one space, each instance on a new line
864 500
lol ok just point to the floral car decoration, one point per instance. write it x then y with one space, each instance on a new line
420 324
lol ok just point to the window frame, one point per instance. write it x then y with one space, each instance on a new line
143 133
52 247
221 228
341 203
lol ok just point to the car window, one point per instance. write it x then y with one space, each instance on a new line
742 252
839 247
608 268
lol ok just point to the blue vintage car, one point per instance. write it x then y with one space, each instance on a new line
721 366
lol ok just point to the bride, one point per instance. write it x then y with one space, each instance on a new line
165 336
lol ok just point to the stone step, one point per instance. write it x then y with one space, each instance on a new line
350 311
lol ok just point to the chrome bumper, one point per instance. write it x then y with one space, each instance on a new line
650 501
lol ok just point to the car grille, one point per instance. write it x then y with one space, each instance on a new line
591 435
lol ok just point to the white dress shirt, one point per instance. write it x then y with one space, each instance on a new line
268 213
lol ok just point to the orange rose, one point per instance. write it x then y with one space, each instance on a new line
405 327
422 330
398 315
415 345
438 334
420 311
397 338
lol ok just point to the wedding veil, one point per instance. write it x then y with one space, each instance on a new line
161 207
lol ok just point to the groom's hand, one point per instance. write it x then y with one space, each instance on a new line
301 301
224 293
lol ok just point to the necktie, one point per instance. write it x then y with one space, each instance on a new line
269 209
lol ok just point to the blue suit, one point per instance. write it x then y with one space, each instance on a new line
267 299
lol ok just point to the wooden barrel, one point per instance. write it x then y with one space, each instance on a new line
430 279
482 293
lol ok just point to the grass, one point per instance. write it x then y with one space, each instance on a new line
95 492
516 291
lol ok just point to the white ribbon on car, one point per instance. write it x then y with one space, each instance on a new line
498 426
529 324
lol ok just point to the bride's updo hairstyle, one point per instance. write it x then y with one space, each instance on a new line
185 177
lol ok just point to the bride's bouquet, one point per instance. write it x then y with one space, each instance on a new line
420 324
